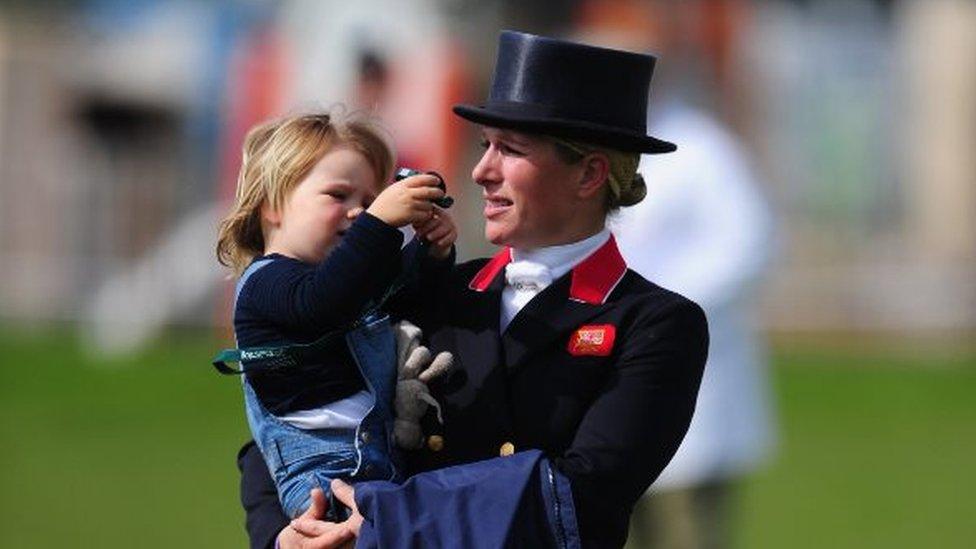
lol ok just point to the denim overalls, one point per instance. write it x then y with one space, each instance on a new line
302 459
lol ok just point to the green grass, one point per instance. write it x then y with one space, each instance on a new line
875 451
124 453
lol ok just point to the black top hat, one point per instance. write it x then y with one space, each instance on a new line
566 89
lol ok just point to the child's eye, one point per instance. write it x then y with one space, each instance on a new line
337 195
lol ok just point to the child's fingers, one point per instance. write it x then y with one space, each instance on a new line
426 193
443 217
422 180
438 232
447 241
423 211
427 225
435 228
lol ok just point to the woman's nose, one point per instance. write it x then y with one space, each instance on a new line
483 171
353 213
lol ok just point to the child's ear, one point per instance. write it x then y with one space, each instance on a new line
270 215
596 170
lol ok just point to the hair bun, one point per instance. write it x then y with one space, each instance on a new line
634 193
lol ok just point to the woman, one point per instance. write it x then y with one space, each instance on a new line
558 346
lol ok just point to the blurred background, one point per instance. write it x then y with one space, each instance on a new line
849 127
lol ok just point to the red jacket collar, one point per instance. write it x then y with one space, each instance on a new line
483 279
592 279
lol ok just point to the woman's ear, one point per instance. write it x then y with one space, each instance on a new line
596 170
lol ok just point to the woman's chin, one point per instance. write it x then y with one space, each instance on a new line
496 235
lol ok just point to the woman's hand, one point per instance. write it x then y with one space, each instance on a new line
440 231
309 531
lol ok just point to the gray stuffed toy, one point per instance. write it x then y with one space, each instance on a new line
415 368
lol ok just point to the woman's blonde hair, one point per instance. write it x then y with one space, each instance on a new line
626 186
277 155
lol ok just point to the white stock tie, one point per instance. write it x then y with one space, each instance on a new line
525 279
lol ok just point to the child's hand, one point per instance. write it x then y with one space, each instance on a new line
440 231
407 201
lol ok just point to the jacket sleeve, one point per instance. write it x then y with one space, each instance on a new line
516 501
639 417
264 517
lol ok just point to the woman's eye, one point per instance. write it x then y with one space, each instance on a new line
502 147
337 195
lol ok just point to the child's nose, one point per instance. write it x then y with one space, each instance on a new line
353 213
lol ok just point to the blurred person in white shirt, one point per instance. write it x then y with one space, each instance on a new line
704 231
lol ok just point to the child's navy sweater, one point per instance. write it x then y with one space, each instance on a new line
289 301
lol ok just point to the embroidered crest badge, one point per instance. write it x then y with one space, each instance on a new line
593 340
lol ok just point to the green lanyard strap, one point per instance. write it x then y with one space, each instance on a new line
255 359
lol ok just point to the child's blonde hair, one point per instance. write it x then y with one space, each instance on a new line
277 156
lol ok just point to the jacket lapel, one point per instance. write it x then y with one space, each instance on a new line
551 315
564 305
477 337
480 390
478 340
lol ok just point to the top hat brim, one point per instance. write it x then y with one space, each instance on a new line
590 132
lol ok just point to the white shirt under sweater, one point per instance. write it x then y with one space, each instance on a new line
557 260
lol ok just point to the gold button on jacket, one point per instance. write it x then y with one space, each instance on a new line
507 449
435 443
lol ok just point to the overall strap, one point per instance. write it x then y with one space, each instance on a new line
251 269
234 355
